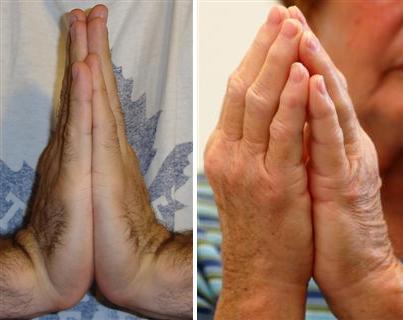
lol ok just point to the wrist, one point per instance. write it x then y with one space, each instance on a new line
261 299
378 296
165 268
31 272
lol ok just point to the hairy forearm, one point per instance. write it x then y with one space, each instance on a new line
24 288
163 286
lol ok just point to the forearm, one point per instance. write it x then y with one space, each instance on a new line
25 290
379 296
163 287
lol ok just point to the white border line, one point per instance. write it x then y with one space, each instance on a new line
195 147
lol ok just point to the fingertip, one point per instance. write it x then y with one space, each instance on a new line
99 11
296 13
320 102
76 15
310 43
283 12
318 83
298 72
290 28
277 14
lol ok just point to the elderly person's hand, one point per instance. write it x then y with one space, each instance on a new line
48 266
354 262
139 264
254 161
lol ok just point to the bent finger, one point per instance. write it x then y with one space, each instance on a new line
263 96
232 113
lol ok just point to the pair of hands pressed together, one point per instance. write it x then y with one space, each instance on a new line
91 216
297 186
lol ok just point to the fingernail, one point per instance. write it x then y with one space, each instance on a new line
312 43
74 72
296 73
72 19
289 29
320 84
102 13
275 16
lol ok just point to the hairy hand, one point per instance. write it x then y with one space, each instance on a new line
49 265
254 162
354 262
139 264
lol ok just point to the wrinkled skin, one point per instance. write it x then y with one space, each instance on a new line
254 163
353 262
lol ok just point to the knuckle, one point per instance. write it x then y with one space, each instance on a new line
280 131
275 55
236 87
256 101
290 99
321 114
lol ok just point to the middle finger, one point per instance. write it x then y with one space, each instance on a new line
263 96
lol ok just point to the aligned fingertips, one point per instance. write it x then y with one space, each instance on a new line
328 154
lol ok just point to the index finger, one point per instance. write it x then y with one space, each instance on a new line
231 118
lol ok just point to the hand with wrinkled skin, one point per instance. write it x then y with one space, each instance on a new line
254 161
60 225
91 216
354 262
139 264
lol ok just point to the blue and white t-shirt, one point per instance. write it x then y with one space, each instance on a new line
151 45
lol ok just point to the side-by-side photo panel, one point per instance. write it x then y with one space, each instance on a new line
299 121
96 160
